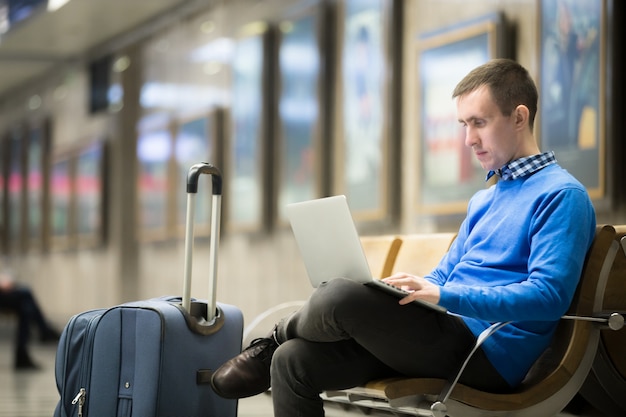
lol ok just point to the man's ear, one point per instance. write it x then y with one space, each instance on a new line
521 114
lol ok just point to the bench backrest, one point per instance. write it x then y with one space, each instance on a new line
381 252
615 300
570 344
420 253
605 385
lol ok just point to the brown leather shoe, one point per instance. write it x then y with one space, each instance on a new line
248 373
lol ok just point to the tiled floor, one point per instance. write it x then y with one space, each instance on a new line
34 393
27 393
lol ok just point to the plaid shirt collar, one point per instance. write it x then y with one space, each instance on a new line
523 167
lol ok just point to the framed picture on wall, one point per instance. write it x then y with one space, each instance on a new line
448 172
246 198
154 155
16 190
90 180
571 86
62 203
362 163
36 179
299 144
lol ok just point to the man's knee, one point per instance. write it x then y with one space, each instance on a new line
286 361
337 292
341 285
346 298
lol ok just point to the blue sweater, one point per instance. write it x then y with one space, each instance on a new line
518 257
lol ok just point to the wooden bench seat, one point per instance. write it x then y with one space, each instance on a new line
552 382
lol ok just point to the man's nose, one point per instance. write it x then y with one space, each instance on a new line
471 138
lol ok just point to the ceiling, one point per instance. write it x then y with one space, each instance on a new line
46 39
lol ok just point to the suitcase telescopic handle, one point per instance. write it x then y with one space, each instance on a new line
192 189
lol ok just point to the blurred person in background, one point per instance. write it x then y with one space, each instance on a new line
18 299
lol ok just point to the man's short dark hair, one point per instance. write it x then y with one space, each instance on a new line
510 85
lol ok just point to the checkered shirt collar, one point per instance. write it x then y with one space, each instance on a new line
523 167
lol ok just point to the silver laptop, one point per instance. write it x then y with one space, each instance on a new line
330 245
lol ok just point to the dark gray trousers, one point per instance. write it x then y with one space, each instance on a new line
348 334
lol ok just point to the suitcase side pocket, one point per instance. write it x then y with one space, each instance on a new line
126 376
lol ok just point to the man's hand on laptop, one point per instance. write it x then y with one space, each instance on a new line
418 287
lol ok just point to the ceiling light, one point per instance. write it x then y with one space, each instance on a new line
54 5
34 102
121 64
207 27
254 28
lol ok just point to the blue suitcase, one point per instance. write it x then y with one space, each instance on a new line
152 358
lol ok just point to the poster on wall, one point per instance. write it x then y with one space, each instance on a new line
15 187
35 179
299 112
61 205
154 152
572 79
449 174
364 91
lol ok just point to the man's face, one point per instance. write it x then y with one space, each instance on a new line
490 134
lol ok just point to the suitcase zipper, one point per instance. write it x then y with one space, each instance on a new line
85 371
80 399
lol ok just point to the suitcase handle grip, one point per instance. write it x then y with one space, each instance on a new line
204 168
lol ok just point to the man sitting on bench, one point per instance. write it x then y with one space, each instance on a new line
518 257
